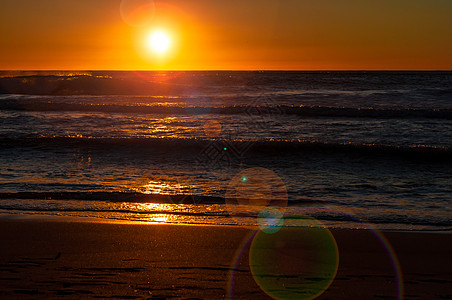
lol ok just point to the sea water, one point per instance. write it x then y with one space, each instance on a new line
350 148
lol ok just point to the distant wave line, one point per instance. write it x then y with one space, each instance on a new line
235 147
252 111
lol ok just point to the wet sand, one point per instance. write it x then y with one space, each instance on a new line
70 259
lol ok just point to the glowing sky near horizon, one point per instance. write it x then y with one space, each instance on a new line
235 34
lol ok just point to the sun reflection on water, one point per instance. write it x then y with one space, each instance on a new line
163 213
161 218
164 188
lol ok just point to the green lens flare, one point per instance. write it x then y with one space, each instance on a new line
295 262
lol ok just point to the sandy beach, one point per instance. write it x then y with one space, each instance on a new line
226 149
74 259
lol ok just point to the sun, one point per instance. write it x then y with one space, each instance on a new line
158 41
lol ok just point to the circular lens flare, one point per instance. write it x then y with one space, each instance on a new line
294 262
296 219
257 187
212 128
270 220
137 13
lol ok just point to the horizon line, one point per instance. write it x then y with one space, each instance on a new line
234 70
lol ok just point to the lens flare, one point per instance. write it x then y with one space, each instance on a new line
295 262
294 218
257 187
212 128
197 102
314 210
270 220
137 13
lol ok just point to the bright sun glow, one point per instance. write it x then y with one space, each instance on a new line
159 42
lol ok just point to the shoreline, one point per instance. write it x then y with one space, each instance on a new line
49 258
82 219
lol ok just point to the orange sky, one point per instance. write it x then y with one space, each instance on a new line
232 35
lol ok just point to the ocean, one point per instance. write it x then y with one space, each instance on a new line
350 149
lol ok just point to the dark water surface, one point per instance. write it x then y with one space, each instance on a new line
345 145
